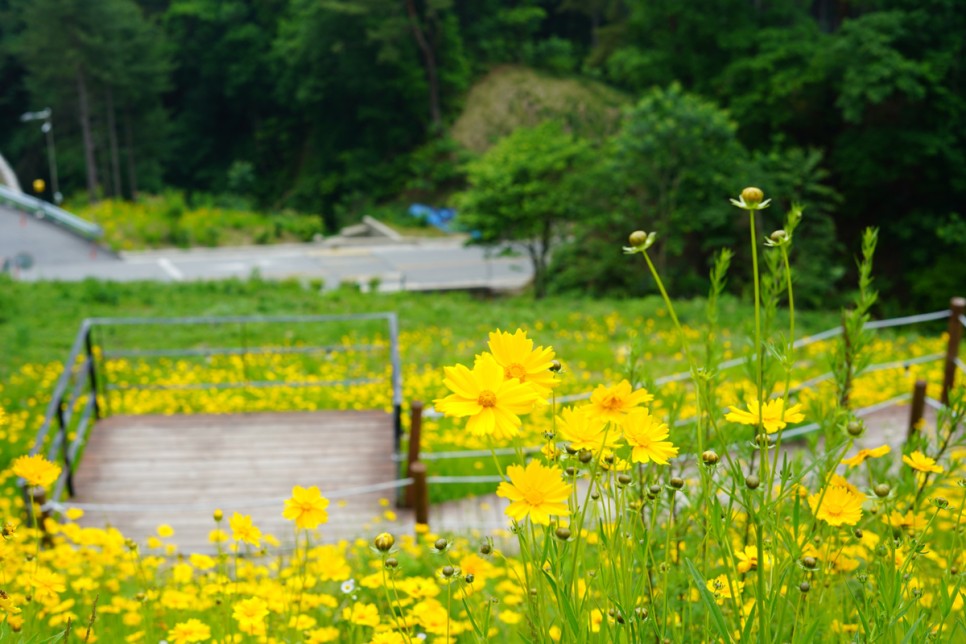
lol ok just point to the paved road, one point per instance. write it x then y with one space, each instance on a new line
427 264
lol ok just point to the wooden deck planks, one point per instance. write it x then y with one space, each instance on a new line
178 469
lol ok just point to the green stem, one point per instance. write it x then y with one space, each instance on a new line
685 346
759 364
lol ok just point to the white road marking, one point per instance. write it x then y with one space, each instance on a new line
168 267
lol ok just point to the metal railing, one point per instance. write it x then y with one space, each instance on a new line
45 210
82 392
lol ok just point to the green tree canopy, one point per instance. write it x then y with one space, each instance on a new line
527 189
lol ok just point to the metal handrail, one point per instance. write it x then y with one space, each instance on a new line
45 210
80 377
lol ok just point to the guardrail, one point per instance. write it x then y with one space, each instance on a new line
44 210
82 392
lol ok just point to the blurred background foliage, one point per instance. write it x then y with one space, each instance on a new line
658 111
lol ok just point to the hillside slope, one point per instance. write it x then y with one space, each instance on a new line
511 96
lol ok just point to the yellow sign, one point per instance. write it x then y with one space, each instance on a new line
39 185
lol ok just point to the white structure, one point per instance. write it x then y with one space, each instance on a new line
7 177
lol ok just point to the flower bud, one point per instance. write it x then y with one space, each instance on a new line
555 366
637 238
486 548
882 490
469 578
804 587
855 428
218 515
778 236
941 502
676 483
585 456
752 196
441 544
384 542
709 457
448 571
624 479
809 562
562 533
752 482
392 562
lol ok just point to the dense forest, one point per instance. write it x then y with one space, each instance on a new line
857 109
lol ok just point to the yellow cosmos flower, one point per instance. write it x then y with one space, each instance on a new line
723 588
537 491
646 434
389 637
242 529
47 584
361 614
583 432
611 404
748 558
492 403
193 630
840 506
515 353
773 414
306 507
36 470
863 454
250 615
919 461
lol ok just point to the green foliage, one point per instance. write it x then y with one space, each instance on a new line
666 171
526 189
336 106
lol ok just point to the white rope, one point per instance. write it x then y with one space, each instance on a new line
961 364
465 479
61 506
962 319
909 319
865 411
935 404
801 342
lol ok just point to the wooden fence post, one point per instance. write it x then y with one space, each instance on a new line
415 433
918 407
956 307
420 492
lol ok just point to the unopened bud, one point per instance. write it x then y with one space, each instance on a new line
562 533
710 457
637 238
752 196
384 542
855 428
676 483
752 482
441 544
882 490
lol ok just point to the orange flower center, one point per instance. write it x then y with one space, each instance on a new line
516 370
486 399
611 403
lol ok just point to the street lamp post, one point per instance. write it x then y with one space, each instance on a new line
46 115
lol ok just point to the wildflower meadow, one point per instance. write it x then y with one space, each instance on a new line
641 509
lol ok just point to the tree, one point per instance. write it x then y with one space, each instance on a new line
526 189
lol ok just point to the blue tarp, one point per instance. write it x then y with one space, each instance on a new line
439 217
